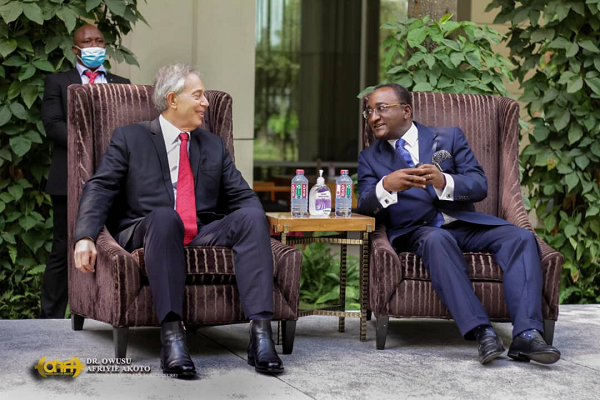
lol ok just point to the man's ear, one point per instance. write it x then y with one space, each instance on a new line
172 100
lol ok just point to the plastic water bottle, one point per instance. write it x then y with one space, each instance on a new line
299 194
343 195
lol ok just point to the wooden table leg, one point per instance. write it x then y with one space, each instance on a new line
343 256
364 284
279 328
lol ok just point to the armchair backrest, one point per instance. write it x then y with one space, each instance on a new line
490 125
94 111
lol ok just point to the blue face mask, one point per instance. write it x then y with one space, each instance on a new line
92 57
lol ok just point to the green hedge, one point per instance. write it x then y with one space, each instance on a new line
555 46
35 40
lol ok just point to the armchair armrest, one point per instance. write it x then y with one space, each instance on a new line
385 273
112 287
287 264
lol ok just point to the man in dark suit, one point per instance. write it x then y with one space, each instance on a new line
431 213
89 48
176 186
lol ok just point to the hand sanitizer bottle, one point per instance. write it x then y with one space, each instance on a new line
319 200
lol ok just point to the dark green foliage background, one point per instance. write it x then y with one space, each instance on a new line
554 45
35 40
320 280
444 56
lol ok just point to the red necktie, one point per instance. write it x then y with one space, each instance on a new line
186 197
91 75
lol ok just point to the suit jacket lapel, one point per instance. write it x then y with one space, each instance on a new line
388 156
161 150
73 76
426 143
427 146
195 147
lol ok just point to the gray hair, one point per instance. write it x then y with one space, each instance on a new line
170 78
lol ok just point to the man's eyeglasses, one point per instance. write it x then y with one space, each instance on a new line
380 109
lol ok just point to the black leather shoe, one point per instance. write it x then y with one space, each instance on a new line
490 346
536 349
261 350
174 355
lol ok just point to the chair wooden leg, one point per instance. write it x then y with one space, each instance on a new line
77 322
288 332
279 338
381 332
120 336
549 330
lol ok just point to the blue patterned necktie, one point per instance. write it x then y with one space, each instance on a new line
402 152
438 220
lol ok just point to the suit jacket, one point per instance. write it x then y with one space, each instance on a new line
134 179
54 117
417 207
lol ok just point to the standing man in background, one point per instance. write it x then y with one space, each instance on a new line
89 48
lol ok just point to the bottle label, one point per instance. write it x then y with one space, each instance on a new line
343 190
323 201
299 190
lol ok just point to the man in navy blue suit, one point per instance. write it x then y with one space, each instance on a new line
428 210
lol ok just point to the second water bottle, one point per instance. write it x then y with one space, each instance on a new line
343 195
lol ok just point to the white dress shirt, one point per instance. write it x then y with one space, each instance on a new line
386 199
101 78
172 144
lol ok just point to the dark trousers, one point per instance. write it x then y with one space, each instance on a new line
55 293
245 231
514 249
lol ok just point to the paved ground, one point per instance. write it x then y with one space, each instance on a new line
424 359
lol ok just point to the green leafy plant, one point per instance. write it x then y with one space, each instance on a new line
320 281
554 45
444 56
35 40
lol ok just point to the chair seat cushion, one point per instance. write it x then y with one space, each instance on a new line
204 265
481 267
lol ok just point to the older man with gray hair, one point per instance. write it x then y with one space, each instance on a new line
177 186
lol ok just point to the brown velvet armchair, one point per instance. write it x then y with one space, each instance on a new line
399 285
118 292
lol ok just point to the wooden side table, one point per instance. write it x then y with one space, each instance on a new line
283 223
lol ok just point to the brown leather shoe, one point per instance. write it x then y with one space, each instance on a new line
174 355
261 350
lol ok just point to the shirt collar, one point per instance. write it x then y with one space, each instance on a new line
411 136
82 68
170 132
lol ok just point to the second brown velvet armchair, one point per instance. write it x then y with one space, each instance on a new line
399 285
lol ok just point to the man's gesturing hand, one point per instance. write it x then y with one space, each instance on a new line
433 176
404 179
85 255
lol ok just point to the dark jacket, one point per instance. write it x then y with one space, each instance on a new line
417 207
133 179
54 117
